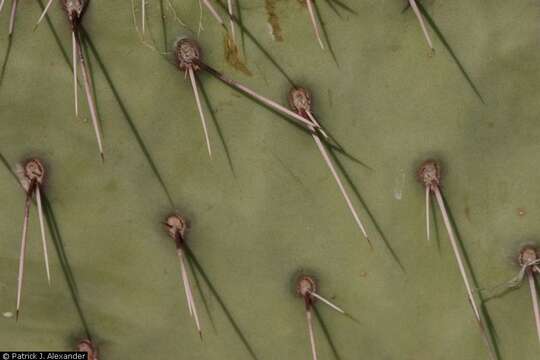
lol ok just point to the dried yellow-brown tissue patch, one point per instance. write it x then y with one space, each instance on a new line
273 19
233 57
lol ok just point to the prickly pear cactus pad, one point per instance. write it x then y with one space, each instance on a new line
265 205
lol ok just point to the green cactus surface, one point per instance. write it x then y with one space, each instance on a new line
265 206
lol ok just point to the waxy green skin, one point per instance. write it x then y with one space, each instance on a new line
389 103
